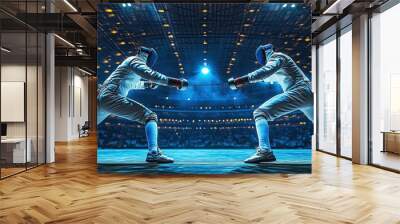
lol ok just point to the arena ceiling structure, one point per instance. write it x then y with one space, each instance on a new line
75 22
191 37
187 37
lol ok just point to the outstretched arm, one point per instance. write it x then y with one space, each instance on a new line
273 65
147 73
151 75
143 84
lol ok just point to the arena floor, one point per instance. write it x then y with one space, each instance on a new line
203 161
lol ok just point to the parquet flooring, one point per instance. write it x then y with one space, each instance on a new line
71 191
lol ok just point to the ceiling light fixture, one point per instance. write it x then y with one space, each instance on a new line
70 5
64 40
5 50
337 7
84 71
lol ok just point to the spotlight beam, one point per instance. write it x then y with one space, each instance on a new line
205 70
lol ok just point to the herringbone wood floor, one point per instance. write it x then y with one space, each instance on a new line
71 191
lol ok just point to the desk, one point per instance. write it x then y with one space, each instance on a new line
391 141
15 148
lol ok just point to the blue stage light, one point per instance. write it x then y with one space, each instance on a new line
205 70
293 5
123 4
284 5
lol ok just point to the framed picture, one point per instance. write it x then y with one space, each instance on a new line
204 88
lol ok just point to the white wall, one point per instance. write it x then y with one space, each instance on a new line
16 72
71 102
61 103
12 73
80 104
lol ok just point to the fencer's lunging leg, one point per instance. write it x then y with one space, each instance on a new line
151 135
263 152
134 111
154 154
263 133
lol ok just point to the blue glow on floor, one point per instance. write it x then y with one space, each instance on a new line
202 161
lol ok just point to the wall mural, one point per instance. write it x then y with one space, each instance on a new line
204 88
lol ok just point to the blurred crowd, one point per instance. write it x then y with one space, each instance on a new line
286 132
